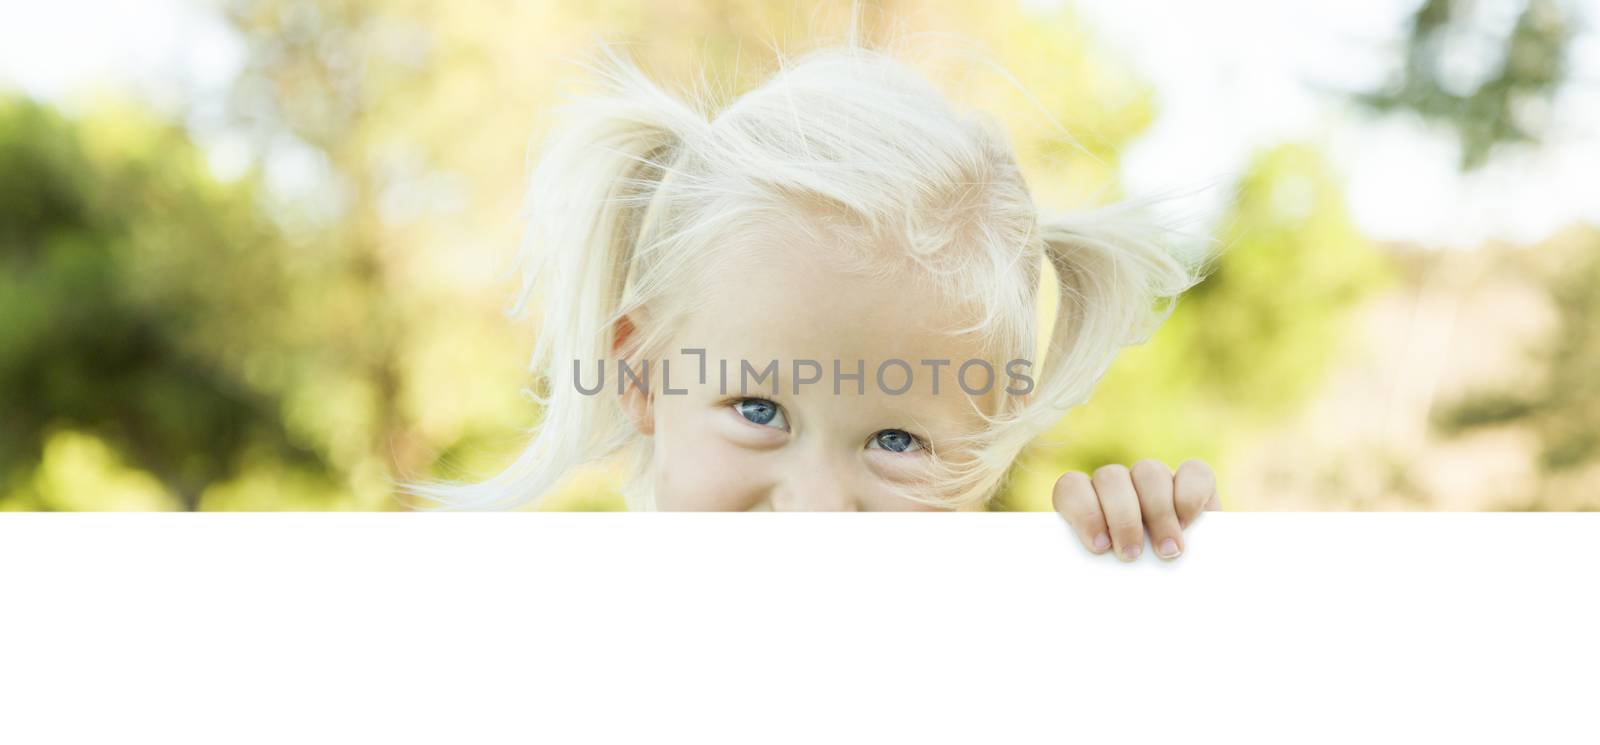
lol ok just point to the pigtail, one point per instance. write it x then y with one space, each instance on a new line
590 197
1118 279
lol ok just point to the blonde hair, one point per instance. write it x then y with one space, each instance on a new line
635 185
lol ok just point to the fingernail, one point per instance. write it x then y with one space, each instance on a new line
1130 552
1101 542
1169 548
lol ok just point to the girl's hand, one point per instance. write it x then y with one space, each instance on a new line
1113 508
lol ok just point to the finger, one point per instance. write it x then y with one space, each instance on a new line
1194 490
1120 504
1153 481
1074 498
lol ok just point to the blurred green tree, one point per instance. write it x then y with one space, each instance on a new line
1491 85
126 271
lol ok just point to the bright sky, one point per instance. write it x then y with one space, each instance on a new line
1231 76
1236 75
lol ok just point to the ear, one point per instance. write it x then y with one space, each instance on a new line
636 404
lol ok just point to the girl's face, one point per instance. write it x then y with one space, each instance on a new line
716 448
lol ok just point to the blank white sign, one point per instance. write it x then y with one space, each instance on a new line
756 628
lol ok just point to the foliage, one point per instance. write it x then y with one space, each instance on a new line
1490 107
121 258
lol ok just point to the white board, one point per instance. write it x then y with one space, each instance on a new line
794 628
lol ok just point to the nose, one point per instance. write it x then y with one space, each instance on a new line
817 482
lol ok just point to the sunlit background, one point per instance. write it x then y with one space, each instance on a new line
254 255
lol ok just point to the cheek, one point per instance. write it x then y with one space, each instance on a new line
697 470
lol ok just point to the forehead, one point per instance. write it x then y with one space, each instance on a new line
785 297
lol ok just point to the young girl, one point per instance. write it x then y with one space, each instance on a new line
823 297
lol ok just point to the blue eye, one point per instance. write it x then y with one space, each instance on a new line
761 411
895 440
